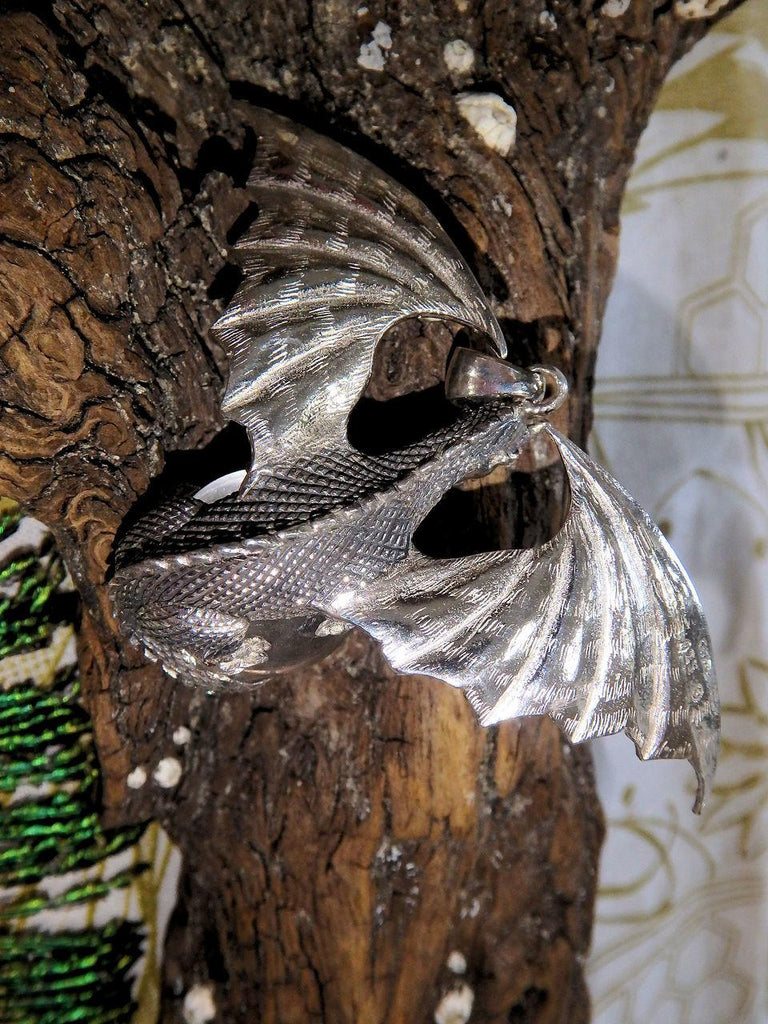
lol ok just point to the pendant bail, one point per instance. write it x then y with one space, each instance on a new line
478 377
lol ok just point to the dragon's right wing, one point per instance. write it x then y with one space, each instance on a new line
338 253
600 628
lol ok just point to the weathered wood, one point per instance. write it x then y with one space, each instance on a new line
343 830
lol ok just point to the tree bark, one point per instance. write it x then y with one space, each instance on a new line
343 830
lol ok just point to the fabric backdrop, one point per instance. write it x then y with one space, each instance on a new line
681 419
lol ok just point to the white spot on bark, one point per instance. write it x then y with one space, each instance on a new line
371 54
518 804
370 57
181 736
615 8
137 778
692 9
502 205
199 1006
547 21
168 772
455 1007
472 910
391 853
494 120
456 962
459 56
382 35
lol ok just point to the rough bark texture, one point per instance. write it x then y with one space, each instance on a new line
342 830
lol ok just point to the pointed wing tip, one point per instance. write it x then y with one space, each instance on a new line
706 748
702 757
703 789
701 754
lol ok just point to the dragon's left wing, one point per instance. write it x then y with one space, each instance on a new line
338 253
600 628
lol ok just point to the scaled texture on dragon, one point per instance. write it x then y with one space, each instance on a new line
600 628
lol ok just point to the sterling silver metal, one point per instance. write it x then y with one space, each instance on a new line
600 628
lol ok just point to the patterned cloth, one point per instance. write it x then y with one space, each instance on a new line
83 912
682 420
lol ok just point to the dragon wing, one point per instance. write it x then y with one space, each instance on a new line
338 254
600 628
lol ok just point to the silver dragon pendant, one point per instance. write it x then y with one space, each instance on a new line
600 628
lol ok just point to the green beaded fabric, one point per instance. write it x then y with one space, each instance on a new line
54 853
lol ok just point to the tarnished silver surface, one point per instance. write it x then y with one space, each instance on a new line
600 628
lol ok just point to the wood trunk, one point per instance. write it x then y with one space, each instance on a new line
343 830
